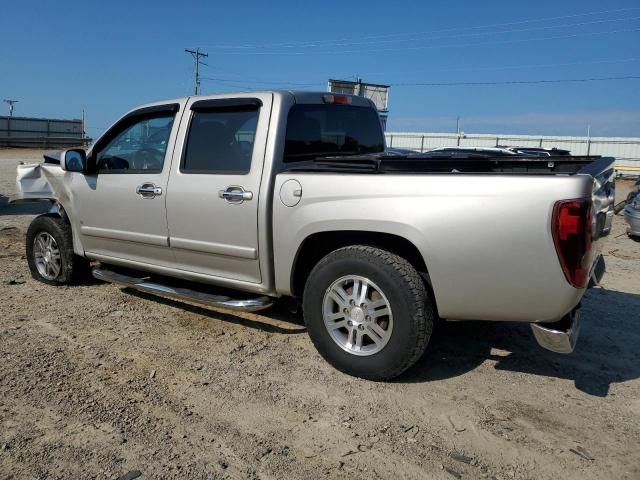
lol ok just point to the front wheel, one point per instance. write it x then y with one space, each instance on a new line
50 252
367 312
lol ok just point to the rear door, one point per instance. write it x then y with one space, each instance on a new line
212 201
121 207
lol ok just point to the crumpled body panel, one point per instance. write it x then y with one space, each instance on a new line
34 182
46 181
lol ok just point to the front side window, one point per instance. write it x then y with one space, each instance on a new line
140 147
221 141
317 131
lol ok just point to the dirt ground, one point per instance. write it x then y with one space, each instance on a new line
100 382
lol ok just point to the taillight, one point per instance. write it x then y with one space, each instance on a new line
337 99
571 230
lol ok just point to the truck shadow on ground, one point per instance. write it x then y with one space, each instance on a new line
28 208
607 351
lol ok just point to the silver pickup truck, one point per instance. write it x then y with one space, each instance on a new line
236 200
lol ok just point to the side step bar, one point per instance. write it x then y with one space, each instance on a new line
144 285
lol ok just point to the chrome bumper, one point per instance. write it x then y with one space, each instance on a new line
561 336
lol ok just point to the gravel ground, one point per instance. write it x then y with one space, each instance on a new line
99 382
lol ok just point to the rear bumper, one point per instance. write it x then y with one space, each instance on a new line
561 336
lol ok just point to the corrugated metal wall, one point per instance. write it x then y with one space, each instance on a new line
39 132
626 150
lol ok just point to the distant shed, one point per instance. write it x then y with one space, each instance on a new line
40 132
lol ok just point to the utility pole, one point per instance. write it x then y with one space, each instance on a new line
82 134
11 103
196 57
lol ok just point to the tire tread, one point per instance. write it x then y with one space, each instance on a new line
74 267
422 320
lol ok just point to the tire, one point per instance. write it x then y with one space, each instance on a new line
401 336
70 267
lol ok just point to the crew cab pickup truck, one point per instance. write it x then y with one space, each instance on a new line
235 200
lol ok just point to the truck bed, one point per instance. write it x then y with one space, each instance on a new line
482 225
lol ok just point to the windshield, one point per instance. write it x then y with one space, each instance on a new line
319 131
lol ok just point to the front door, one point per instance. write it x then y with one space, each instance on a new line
212 203
121 209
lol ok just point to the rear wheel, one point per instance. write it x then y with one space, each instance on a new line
50 252
368 312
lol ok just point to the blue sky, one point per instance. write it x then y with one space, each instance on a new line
58 58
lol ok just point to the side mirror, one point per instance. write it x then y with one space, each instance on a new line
74 160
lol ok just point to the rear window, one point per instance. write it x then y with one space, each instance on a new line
221 141
332 130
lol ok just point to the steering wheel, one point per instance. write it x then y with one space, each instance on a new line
148 159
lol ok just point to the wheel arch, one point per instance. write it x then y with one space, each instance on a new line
57 209
315 246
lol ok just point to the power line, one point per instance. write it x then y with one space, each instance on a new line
196 54
310 83
507 67
425 47
503 42
458 35
237 88
254 86
514 82
480 34
263 82
428 32
504 67
232 83
539 65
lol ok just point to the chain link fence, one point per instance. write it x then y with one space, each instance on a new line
626 150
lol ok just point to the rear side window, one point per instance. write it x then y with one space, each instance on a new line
332 130
221 141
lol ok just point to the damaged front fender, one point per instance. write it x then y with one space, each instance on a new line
47 181
37 181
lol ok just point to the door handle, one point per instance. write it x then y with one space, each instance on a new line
235 194
148 190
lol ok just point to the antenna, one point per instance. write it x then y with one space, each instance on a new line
11 103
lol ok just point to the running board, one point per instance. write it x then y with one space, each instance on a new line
144 285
